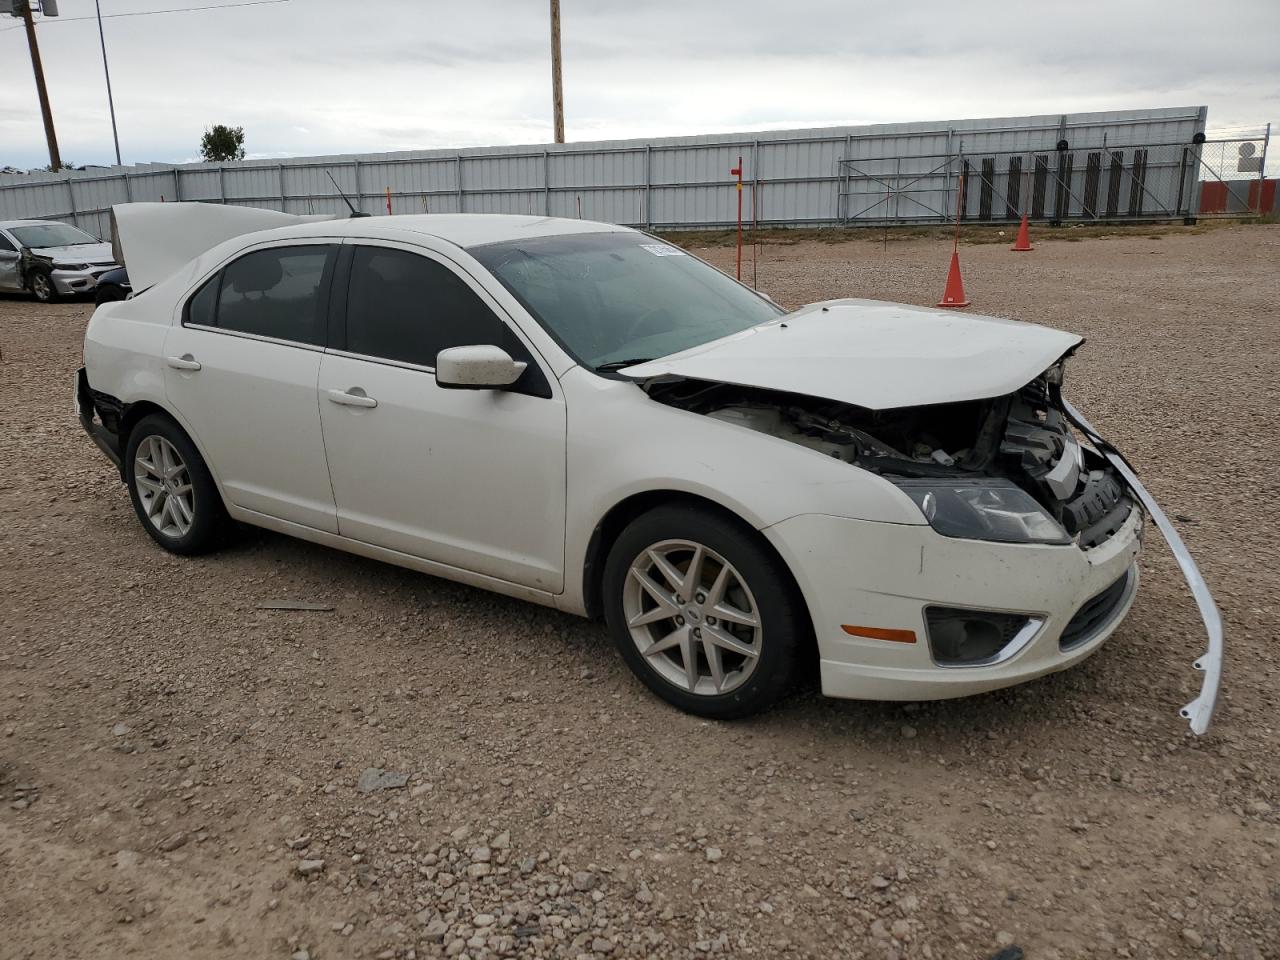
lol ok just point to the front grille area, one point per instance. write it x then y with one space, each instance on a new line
1093 615
1098 510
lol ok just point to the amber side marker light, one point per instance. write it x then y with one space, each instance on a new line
880 633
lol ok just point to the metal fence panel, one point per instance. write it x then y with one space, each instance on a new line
905 172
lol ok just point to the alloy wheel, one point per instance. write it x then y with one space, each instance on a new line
42 287
164 486
693 617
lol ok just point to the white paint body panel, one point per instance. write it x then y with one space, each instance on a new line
875 355
251 409
468 478
505 490
851 571
622 444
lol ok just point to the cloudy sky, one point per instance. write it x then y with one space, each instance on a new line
336 76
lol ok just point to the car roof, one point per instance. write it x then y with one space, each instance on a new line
462 229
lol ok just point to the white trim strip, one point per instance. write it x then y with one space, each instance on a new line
1199 712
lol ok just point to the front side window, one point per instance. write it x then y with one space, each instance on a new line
5 244
277 293
404 306
615 298
51 235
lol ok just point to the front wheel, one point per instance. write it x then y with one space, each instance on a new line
171 489
42 288
703 612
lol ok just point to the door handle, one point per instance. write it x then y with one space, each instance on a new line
350 398
184 362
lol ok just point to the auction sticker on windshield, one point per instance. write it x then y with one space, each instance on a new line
662 250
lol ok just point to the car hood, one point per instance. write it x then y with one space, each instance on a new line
94 253
875 355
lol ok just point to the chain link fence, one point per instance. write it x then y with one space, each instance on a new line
1234 181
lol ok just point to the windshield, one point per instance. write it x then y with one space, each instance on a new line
51 235
614 297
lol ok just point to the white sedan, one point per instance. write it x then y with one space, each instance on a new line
587 417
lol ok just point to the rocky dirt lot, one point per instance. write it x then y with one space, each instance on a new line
185 774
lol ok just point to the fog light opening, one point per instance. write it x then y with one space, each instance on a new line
969 638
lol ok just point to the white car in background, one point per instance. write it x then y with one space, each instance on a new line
50 259
587 417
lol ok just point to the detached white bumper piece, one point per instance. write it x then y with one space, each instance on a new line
1199 712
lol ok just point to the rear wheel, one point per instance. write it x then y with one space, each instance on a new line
171 489
41 284
703 613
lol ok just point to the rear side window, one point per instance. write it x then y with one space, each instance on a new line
278 293
406 307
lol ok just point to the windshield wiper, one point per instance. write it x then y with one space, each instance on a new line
613 365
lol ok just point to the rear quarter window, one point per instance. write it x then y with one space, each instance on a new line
202 308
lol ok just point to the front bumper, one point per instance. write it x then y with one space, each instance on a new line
70 282
885 575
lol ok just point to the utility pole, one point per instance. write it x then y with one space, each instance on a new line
111 104
55 161
557 89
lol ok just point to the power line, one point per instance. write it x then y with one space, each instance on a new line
152 13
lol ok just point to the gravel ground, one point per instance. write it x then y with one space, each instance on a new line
187 775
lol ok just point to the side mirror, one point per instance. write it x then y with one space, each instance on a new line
477 368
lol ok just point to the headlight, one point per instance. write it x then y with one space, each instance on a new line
71 266
983 510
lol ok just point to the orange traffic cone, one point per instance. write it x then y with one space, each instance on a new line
1023 243
954 296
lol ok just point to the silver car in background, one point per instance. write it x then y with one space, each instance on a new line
49 259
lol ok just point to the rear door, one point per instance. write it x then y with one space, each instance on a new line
474 479
241 371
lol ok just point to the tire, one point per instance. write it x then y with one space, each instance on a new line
41 285
756 586
172 491
108 293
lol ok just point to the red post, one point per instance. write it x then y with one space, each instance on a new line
737 172
388 201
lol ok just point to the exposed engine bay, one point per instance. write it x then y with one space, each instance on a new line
1024 438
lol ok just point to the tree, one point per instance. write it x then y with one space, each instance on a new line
221 143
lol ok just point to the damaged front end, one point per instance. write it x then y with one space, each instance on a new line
1008 469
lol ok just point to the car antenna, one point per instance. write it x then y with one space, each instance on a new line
350 205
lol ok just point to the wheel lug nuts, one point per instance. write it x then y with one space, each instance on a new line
679 600
701 598
697 632
679 621
711 621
